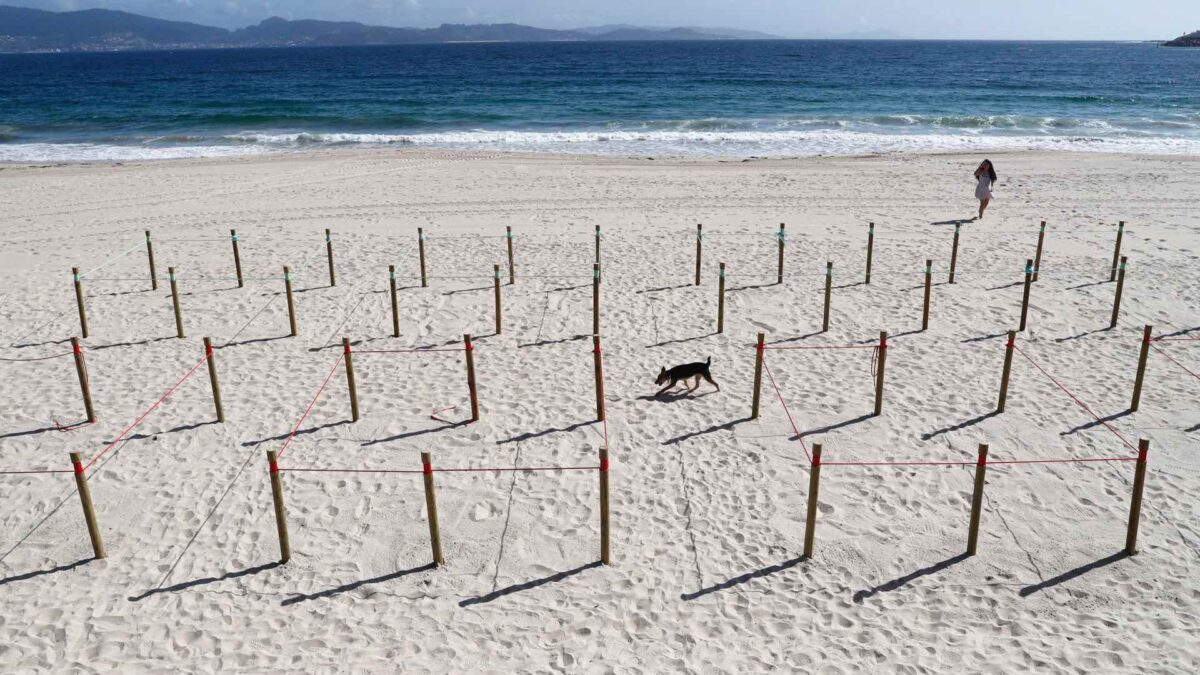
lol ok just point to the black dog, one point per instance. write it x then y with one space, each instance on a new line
684 373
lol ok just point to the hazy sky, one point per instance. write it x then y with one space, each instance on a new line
1013 19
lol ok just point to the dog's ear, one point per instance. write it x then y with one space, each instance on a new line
663 370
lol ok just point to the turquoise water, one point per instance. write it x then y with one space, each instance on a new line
649 98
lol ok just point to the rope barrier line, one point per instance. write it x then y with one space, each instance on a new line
822 347
37 358
20 472
288 440
1076 399
1168 357
791 421
146 414
106 263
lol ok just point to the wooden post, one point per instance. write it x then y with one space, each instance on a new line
1117 297
604 523
435 535
212 379
350 379
595 298
175 302
1135 503
329 254
89 513
828 292
1117 250
721 301
421 251
499 322
285 548
954 252
758 368
1037 258
395 303
83 328
512 274
1008 356
597 244
779 274
699 249
977 499
1141 368
470 350
870 250
237 258
84 387
291 303
814 484
598 366
928 292
881 359
1025 295
150 257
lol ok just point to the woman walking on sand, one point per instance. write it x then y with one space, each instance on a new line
986 175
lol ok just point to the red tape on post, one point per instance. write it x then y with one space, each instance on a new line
77 348
274 466
427 468
604 465
346 349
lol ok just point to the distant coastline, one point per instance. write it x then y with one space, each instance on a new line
1189 40
24 30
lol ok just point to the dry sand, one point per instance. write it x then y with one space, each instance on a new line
708 506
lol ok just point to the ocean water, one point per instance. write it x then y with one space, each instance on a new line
759 98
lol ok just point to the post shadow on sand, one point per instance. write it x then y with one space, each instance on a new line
203 581
1096 423
353 585
254 341
527 585
310 430
446 426
41 573
545 432
728 426
543 343
664 288
983 338
29 432
1071 574
744 578
961 425
798 338
1090 283
957 221
132 344
1083 334
681 340
898 582
182 427
1004 286
837 425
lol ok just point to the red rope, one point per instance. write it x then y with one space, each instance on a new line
785 410
34 471
432 470
1183 339
1076 399
307 410
146 414
822 347
1168 357
989 462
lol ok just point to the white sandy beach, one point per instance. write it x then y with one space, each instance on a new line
708 506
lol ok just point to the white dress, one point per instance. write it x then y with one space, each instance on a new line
984 189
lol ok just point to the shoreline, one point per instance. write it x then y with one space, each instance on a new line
407 152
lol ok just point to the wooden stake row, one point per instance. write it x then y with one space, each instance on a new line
1131 531
880 363
431 510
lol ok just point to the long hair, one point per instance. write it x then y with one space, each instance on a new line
991 170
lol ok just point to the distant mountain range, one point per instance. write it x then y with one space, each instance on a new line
1189 40
32 30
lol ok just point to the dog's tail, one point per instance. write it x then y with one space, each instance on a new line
708 362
